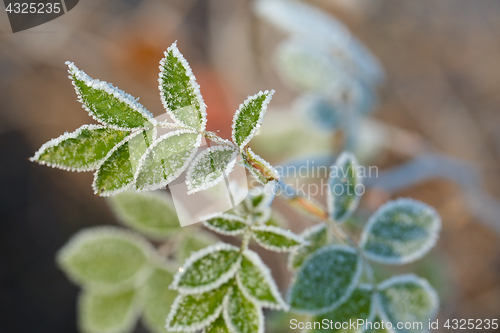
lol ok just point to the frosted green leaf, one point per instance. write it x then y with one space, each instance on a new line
194 241
226 224
81 150
256 282
179 92
116 172
193 312
259 168
360 305
218 326
210 167
166 159
105 257
158 299
249 117
107 104
400 232
344 186
207 269
276 239
241 314
407 299
317 236
151 213
107 313
325 280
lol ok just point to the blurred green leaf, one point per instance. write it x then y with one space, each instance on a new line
151 213
106 258
107 313
400 232
325 280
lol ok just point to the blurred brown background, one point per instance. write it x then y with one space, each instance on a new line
441 96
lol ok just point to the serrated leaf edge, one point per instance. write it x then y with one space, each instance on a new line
350 289
171 178
228 217
434 236
259 121
116 147
274 173
281 232
257 261
330 198
198 255
192 80
54 142
95 233
225 172
112 90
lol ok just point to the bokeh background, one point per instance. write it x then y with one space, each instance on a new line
437 129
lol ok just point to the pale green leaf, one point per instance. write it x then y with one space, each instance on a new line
317 236
227 224
207 269
325 280
344 188
360 305
407 299
166 159
81 150
241 314
116 173
210 167
107 313
194 241
257 283
218 326
158 299
249 117
276 239
106 257
180 94
151 213
400 232
193 312
107 104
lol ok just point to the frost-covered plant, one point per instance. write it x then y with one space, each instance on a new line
221 287
334 73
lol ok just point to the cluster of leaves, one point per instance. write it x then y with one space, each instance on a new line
124 148
327 282
222 288
334 73
123 277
